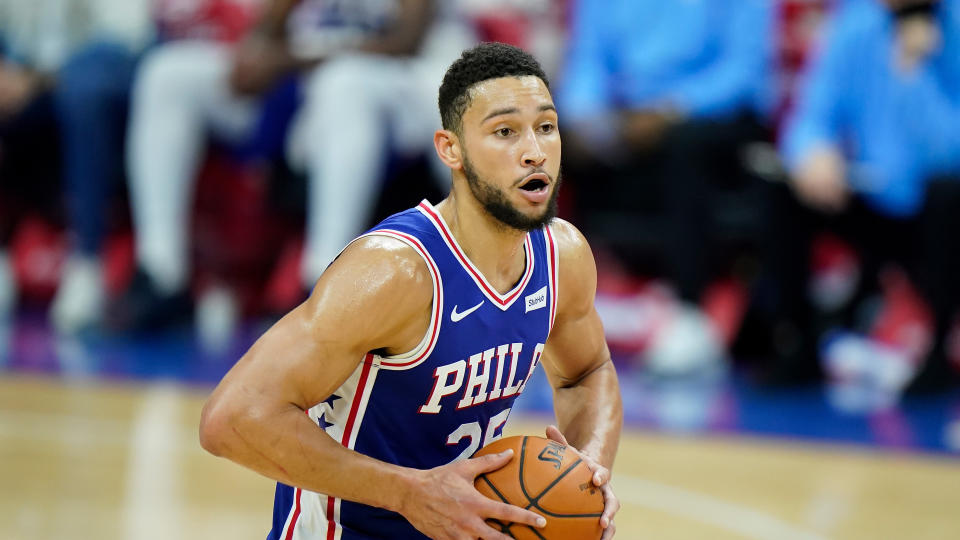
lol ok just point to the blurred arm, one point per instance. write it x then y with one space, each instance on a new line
811 144
583 91
729 83
406 34
815 121
266 53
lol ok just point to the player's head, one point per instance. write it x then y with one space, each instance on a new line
500 133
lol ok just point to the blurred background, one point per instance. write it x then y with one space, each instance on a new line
771 189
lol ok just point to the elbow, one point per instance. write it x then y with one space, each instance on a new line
215 428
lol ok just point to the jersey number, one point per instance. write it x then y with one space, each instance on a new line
474 432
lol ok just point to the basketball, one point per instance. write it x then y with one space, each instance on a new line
547 478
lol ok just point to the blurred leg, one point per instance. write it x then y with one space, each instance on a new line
92 96
780 327
91 100
29 180
939 279
700 158
346 123
180 90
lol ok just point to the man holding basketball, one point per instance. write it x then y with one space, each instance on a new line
365 402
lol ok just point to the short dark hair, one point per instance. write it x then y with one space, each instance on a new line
483 62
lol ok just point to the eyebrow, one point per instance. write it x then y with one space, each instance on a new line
514 110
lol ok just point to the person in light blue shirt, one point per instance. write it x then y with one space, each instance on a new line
872 149
879 114
659 100
689 59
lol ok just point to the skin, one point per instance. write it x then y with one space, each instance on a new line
820 180
256 418
18 86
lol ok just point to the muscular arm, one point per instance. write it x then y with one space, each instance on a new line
255 416
576 359
376 296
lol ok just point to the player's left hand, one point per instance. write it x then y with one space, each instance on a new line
601 479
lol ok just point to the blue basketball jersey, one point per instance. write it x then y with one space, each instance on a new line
446 398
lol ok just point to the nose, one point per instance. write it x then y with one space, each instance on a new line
533 155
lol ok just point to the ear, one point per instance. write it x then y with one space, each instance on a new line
447 145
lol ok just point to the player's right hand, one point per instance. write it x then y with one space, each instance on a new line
445 505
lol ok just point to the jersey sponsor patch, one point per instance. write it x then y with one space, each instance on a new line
536 300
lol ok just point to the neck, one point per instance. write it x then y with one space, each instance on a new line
494 248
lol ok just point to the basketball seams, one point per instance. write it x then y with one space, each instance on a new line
523 456
504 527
535 501
493 487
536 532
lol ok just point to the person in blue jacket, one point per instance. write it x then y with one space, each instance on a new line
662 98
872 149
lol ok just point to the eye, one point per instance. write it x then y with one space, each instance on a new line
504 132
547 128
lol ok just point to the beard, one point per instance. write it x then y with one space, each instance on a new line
496 203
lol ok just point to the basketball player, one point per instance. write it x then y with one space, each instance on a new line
365 402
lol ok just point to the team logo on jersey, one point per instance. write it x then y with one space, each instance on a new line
480 378
536 300
457 317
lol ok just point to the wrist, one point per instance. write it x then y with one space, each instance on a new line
404 487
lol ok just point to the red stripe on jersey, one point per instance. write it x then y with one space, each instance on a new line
415 243
347 431
331 525
296 515
552 257
465 262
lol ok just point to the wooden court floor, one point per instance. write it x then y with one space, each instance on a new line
95 460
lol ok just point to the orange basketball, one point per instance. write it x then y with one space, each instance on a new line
546 477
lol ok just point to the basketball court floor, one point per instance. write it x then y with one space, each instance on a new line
96 451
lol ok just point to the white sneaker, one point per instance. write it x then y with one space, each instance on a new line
80 298
217 318
8 287
686 344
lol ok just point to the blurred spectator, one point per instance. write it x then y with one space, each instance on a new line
64 76
873 151
370 69
658 100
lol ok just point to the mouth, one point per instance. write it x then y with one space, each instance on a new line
535 188
535 182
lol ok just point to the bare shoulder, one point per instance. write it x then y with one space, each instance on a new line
378 288
377 263
576 258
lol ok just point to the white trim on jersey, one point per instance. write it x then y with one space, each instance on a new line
502 301
553 269
311 513
418 354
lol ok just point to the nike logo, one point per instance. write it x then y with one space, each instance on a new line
456 317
